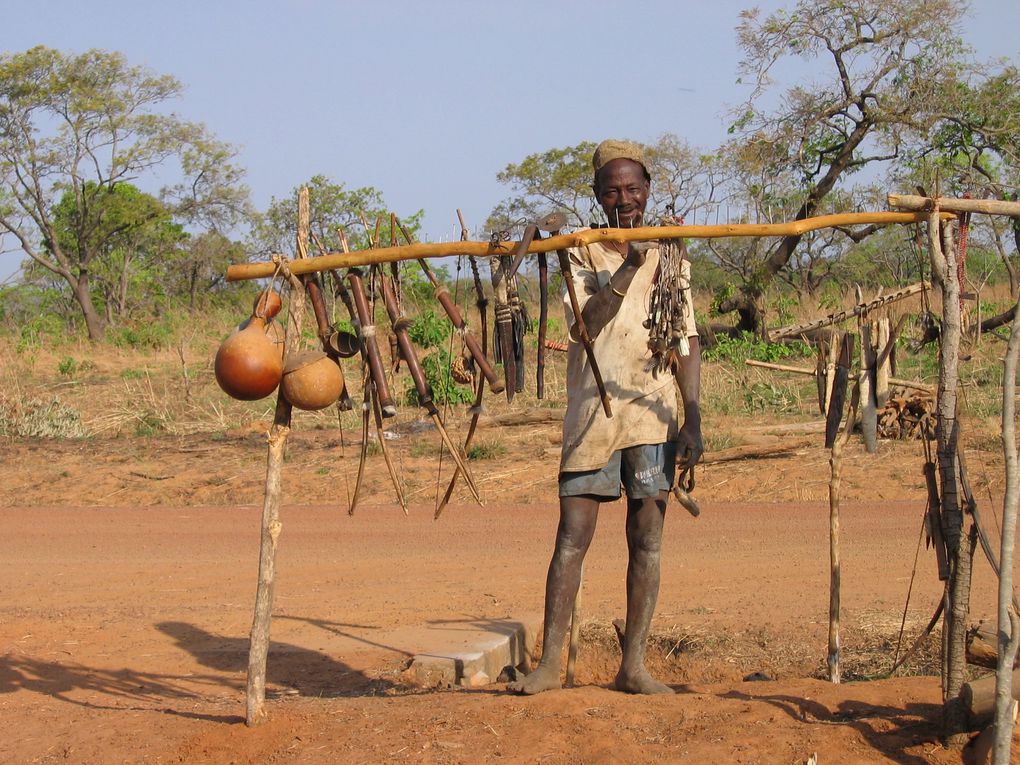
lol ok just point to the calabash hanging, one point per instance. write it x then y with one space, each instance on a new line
249 364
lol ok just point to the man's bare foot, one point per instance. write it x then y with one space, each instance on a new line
639 682
542 679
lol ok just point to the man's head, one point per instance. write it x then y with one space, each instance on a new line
621 182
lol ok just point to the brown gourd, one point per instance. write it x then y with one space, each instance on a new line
312 380
249 363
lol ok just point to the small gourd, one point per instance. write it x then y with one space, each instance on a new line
312 380
249 364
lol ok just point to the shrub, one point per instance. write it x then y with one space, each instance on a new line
486 450
36 418
746 346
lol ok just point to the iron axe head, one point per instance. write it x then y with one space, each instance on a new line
552 222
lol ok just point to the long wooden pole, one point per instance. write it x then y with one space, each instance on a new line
1008 624
805 371
243 271
988 206
947 431
258 648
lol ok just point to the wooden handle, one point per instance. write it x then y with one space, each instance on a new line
582 331
443 296
367 329
314 290
543 321
407 350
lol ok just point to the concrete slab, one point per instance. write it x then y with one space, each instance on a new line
470 653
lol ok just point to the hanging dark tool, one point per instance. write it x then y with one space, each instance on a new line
837 399
425 396
551 224
367 330
582 330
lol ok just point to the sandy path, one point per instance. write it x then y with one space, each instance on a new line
124 635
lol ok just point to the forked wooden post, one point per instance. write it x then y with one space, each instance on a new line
258 649
947 431
1007 641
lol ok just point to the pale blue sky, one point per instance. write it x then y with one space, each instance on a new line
428 101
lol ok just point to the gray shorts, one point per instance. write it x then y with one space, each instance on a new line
643 471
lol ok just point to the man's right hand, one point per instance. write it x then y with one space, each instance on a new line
637 253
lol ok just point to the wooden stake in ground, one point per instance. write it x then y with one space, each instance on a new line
1008 621
960 548
832 658
258 649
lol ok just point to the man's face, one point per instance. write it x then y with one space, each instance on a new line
622 190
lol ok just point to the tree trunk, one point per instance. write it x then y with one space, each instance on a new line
122 292
81 289
943 262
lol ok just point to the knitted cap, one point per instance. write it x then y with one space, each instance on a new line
611 149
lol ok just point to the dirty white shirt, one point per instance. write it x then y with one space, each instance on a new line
645 404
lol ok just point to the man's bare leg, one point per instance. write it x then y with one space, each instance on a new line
644 543
578 516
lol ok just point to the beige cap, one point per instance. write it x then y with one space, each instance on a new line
611 149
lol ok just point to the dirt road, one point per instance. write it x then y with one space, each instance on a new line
124 636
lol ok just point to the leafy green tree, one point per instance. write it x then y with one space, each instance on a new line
561 179
133 238
334 209
74 127
557 179
887 67
198 268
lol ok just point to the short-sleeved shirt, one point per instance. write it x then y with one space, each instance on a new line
644 403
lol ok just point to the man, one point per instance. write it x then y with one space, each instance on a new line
640 446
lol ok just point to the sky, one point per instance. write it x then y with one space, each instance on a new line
428 101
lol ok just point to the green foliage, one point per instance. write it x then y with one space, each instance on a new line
445 389
737 350
486 450
429 330
67 366
782 305
332 207
148 424
39 330
559 178
151 334
769 397
81 128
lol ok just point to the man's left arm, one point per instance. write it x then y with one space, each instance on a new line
690 445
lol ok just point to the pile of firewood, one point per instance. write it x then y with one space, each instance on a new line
907 416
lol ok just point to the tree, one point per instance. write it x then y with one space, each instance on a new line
557 179
132 241
890 64
561 179
333 209
200 265
74 127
